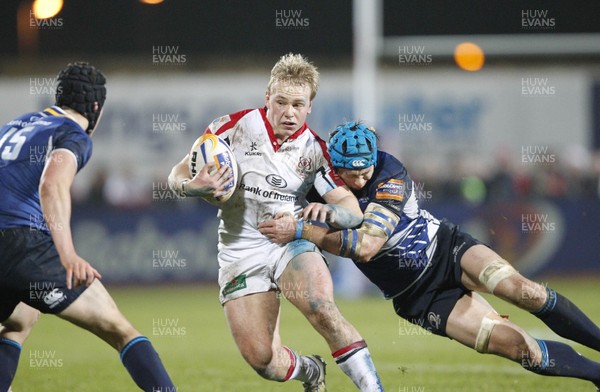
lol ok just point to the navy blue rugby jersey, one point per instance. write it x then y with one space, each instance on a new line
25 143
407 254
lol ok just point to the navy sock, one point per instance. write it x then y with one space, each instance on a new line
145 367
9 359
568 321
559 359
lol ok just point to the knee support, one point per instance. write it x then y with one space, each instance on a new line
485 333
495 272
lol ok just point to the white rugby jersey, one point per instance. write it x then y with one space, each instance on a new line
272 177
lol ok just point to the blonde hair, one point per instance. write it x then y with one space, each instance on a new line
295 69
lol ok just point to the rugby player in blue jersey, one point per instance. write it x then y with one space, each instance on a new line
40 154
431 270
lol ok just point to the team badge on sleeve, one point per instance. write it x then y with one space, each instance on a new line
218 123
390 190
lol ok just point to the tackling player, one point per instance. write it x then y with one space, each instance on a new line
431 270
280 159
40 154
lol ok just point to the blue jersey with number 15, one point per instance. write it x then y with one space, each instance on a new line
25 143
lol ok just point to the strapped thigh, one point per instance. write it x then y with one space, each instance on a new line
495 272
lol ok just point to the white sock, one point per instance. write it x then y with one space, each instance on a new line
302 368
355 360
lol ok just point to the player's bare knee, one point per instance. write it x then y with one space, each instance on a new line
512 344
505 340
22 324
499 272
116 331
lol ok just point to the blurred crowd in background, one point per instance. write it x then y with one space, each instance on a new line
574 175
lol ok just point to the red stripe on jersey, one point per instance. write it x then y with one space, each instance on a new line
332 174
274 143
353 346
272 138
234 118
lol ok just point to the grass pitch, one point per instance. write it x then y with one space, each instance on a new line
187 326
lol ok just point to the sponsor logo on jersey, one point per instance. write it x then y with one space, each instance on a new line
434 320
268 194
456 250
276 181
54 297
237 283
392 190
253 151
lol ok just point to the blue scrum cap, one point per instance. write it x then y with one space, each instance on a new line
353 146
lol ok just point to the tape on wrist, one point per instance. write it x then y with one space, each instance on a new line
299 227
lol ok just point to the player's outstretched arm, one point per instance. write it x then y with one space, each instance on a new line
341 211
359 244
55 199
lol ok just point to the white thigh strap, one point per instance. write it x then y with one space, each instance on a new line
485 332
496 271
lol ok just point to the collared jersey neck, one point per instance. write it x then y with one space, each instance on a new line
274 143
56 111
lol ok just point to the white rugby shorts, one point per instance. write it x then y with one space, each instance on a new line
256 269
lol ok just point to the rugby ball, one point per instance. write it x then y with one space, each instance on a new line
210 148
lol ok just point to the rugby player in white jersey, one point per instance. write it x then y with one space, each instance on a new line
280 159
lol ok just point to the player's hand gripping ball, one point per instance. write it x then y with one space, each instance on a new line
210 148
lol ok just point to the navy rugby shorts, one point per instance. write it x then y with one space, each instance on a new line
31 272
429 302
